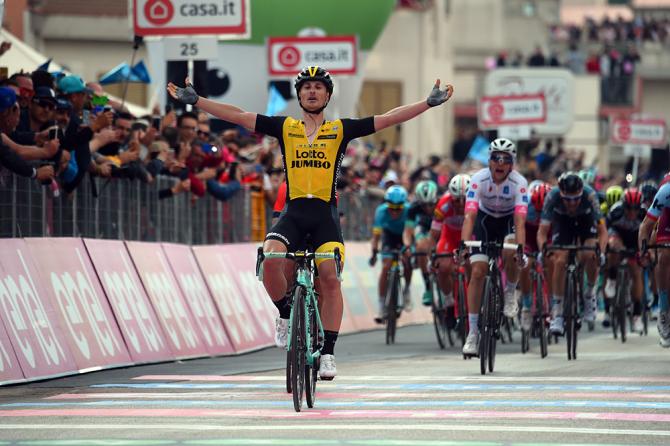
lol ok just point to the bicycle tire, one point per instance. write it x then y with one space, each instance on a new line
311 371
525 341
391 307
485 334
439 315
622 285
497 318
569 313
298 348
645 317
462 312
288 372
539 315
614 319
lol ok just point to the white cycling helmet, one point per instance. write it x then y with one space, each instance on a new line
458 186
503 145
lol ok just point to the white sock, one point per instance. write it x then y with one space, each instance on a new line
473 319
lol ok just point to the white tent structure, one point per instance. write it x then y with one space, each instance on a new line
23 57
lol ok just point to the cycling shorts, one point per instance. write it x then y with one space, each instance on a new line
567 230
390 242
628 238
315 217
663 232
489 229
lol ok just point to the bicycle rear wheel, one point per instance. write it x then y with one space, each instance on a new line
486 332
391 307
311 371
288 372
539 312
570 315
462 312
298 348
439 314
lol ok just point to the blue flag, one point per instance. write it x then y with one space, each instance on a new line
122 72
44 66
479 151
276 102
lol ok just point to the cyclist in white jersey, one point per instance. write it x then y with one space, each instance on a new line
495 210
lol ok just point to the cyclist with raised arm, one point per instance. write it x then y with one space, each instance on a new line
659 214
417 233
446 230
538 194
495 210
572 211
388 227
623 223
312 150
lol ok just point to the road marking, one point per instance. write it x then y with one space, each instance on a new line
350 403
427 378
339 427
366 387
357 396
333 414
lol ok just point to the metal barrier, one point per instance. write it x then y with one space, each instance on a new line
130 210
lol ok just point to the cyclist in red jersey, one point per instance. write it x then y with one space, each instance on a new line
538 192
446 228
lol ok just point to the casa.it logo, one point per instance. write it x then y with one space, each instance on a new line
159 12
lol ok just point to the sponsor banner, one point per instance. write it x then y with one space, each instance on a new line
134 314
650 132
29 319
287 55
10 369
85 316
496 111
246 311
193 287
225 18
173 313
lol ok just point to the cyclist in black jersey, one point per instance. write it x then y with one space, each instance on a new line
312 149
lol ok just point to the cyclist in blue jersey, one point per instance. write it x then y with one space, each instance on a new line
390 218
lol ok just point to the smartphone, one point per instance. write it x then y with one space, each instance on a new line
86 117
156 122
53 133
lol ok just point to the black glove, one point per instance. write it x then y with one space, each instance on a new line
187 95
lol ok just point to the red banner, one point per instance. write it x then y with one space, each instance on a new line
192 284
30 320
223 270
134 313
85 316
171 309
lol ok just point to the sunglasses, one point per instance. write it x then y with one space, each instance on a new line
571 197
497 158
46 104
395 207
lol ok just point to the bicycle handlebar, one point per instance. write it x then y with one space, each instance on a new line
480 244
297 255
548 249
625 252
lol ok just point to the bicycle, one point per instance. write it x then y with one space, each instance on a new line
490 313
305 330
649 270
573 294
621 302
539 309
438 306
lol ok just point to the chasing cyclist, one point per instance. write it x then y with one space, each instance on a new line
659 214
417 233
623 223
389 225
495 210
572 212
312 150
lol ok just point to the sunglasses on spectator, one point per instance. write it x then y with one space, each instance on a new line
571 197
45 104
498 158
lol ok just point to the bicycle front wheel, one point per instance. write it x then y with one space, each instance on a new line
298 348
392 307
620 313
570 315
462 312
486 326
439 314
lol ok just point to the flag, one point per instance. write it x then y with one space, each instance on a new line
276 102
479 151
141 73
123 72
44 66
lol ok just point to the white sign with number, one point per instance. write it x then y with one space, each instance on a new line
191 48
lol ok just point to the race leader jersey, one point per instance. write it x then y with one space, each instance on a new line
497 200
312 169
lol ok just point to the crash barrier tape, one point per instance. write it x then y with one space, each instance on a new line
71 305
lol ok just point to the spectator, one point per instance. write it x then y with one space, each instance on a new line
574 60
537 59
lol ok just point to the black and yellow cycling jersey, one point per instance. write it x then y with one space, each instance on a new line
312 169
